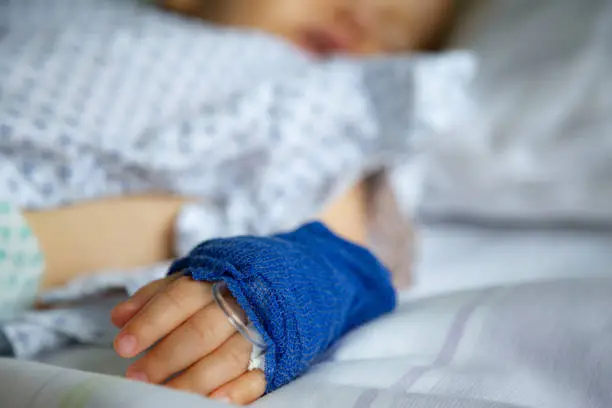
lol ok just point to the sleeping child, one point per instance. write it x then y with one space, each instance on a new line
299 291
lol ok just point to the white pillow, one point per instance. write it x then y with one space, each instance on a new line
538 146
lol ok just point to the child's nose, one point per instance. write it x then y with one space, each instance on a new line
359 21
349 18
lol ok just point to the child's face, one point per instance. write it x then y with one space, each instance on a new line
328 26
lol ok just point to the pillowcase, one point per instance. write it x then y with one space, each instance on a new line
537 145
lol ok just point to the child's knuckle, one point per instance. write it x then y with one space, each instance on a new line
202 330
174 297
236 357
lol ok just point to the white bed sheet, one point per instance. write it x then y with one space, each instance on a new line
536 145
498 318
463 257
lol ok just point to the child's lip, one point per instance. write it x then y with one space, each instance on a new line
324 41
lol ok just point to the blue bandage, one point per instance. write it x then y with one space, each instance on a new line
302 290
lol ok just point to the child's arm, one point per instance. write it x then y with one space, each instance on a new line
113 233
347 216
137 231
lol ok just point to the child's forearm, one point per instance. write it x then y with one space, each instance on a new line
136 231
114 233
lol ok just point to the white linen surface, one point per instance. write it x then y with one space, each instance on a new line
541 344
523 322
538 145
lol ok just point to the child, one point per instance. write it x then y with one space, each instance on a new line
176 316
219 362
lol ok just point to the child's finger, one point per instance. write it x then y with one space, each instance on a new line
225 364
163 313
201 334
244 390
124 311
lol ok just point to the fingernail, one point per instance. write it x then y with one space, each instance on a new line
137 376
126 345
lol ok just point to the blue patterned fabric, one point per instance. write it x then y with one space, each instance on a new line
302 290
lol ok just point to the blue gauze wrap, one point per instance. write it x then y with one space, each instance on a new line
302 290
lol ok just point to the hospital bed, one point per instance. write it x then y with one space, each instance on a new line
512 288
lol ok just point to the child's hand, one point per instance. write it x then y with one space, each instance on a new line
190 344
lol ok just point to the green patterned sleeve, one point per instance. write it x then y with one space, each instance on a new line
21 262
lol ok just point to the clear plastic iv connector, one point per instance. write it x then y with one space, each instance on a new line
236 315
